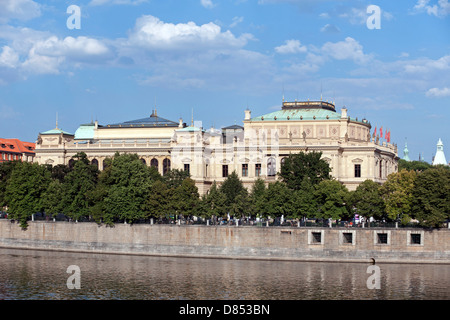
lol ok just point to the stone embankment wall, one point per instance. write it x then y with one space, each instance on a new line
273 243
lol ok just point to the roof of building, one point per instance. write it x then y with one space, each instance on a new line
233 127
56 131
302 110
85 132
439 158
16 146
190 129
153 121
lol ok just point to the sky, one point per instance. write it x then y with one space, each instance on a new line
117 60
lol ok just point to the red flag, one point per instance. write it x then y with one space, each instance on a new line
375 132
389 136
381 132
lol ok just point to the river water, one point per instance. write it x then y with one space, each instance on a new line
42 275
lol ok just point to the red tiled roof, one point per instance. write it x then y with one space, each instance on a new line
16 146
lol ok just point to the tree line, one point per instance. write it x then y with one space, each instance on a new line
128 190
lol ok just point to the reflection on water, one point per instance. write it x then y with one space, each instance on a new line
26 274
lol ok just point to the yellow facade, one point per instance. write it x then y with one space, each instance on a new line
253 150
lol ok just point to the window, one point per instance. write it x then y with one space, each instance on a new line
381 169
143 161
245 170
225 170
94 162
382 238
357 171
257 169
166 166
187 167
271 167
416 238
154 163
316 237
347 237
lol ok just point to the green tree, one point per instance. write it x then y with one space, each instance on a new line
367 200
305 203
158 200
213 203
24 191
175 177
431 197
297 167
278 200
397 195
235 193
78 184
128 183
52 198
186 199
256 198
332 199
6 169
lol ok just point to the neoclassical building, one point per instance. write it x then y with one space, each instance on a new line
253 150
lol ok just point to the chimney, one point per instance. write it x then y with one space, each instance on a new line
344 113
247 114
180 125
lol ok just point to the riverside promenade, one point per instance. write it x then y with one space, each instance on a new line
380 245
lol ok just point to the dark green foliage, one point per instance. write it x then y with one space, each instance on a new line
431 197
300 166
367 200
235 193
6 169
332 200
78 184
25 189
213 203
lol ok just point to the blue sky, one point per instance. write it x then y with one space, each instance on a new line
215 58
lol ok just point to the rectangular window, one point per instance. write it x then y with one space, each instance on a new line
347 237
382 238
357 171
187 167
257 169
316 237
416 238
225 170
245 170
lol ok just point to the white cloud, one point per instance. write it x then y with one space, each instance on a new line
119 2
8 57
436 92
348 49
207 3
291 46
330 28
439 9
154 34
18 9
236 21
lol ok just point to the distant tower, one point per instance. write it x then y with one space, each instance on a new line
439 158
406 153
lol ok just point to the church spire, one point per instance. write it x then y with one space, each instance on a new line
406 152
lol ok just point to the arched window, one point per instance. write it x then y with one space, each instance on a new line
166 166
106 163
143 161
271 167
154 163
71 163
94 162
